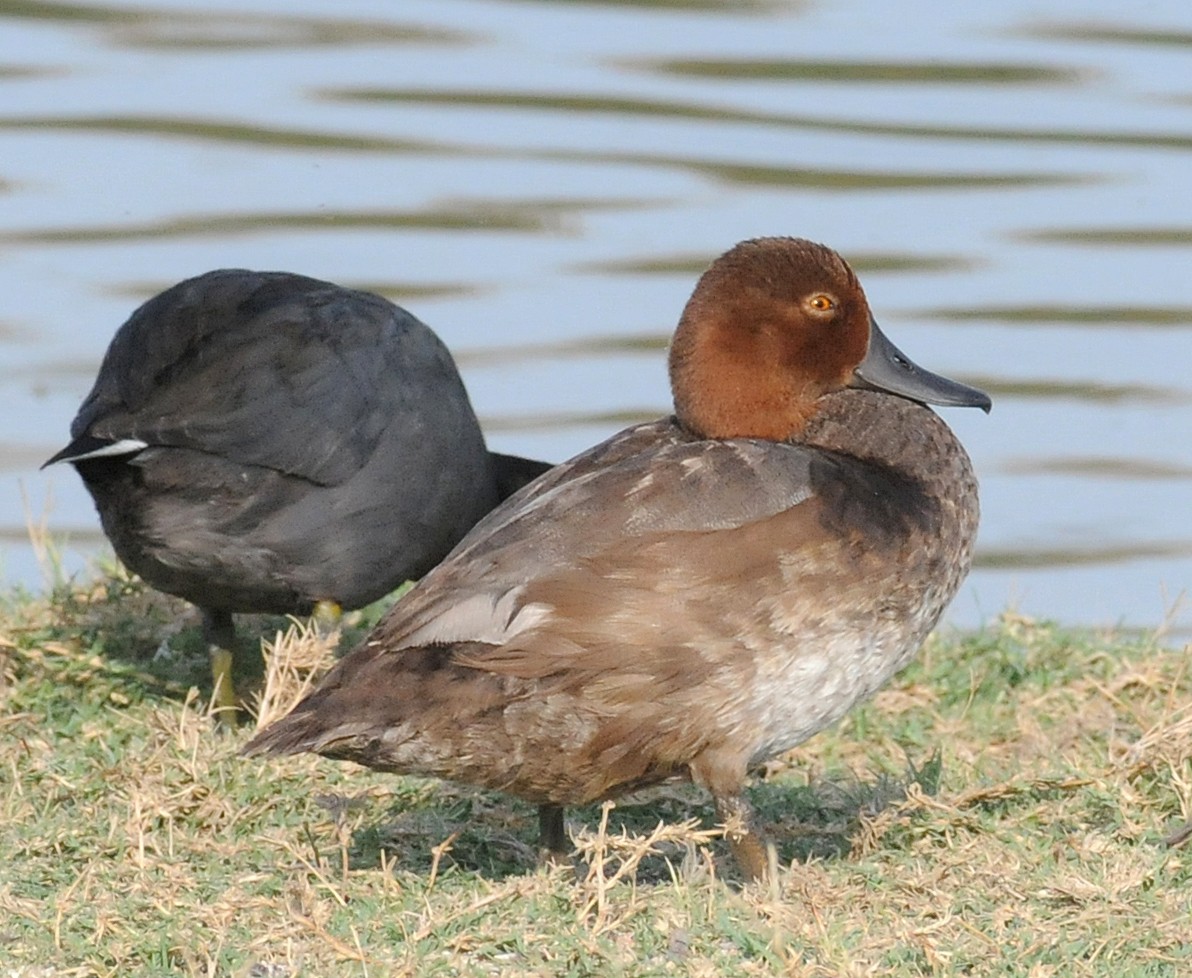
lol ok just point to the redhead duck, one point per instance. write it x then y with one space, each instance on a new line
695 594
264 442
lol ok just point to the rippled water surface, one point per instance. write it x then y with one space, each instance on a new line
543 181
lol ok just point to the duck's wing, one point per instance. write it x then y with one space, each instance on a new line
269 369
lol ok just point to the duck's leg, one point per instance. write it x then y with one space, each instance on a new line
724 778
553 844
219 633
749 845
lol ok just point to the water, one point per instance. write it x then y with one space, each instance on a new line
543 181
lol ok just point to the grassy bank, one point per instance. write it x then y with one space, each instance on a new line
1009 806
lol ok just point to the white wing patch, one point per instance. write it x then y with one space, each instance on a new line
490 617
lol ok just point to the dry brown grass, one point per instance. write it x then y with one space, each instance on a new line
294 661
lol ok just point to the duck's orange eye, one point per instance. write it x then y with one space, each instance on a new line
822 303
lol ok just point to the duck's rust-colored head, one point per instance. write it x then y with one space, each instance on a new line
772 326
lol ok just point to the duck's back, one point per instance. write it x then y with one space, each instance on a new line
302 442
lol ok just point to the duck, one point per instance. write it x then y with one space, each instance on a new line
696 594
266 442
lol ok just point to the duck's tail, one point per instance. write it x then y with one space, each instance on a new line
299 732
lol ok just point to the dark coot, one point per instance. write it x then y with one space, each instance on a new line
266 442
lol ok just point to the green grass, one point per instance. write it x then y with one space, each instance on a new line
1000 809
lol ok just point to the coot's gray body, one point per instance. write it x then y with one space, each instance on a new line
263 441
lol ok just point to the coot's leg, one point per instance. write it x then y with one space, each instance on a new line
327 614
220 633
